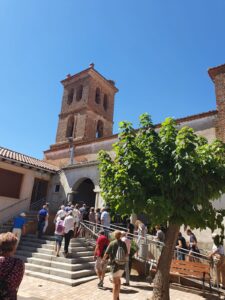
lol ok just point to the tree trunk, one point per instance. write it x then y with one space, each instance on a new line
162 277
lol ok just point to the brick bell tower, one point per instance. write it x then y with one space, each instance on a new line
87 107
217 75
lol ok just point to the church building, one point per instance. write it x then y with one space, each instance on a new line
86 126
69 171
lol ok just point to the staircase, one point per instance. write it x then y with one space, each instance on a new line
31 217
41 262
7 226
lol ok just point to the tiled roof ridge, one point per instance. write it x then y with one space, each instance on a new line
193 117
23 158
55 147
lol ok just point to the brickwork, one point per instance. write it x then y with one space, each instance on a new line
87 98
217 74
220 103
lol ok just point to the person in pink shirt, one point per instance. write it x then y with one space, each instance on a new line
127 241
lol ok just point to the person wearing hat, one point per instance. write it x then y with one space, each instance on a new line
217 255
19 227
100 267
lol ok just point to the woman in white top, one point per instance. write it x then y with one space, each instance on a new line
68 230
77 217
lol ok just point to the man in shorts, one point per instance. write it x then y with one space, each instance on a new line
117 269
100 267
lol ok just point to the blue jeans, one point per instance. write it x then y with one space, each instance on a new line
180 255
41 225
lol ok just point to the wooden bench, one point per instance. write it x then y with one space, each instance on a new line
187 269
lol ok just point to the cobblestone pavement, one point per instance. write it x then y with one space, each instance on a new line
37 289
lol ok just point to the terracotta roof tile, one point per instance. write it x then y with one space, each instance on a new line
25 159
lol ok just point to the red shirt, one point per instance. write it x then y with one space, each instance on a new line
102 242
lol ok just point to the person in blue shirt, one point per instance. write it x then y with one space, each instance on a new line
42 215
19 227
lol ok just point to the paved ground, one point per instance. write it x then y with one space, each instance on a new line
37 289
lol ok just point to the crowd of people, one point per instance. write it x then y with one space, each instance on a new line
114 249
67 223
187 250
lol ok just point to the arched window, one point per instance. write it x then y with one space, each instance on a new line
105 102
79 93
99 129
70 96
97 96
70 126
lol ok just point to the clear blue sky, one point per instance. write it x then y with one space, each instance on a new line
158 52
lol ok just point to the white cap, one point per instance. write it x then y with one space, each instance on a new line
214 235
23 214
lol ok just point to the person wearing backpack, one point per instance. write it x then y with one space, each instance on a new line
117 252
100 248
59 232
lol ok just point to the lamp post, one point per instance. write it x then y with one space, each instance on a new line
70 140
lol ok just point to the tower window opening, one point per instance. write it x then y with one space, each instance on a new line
70 127
70 96
99 129
105 102
79 93
97 96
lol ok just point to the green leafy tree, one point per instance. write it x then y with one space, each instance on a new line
170 174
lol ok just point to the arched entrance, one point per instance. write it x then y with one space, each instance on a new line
84 193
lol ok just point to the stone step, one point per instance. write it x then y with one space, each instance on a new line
23 253
50 239
6 225
43 238
37 241
60 272
78 251
61 265
40 260
73 246
66 281
34 249
72 257
23 258
82 259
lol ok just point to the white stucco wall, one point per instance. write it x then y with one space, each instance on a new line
69 180
25 191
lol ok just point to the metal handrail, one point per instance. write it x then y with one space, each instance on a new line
38 203
154 246
147 238
13 204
